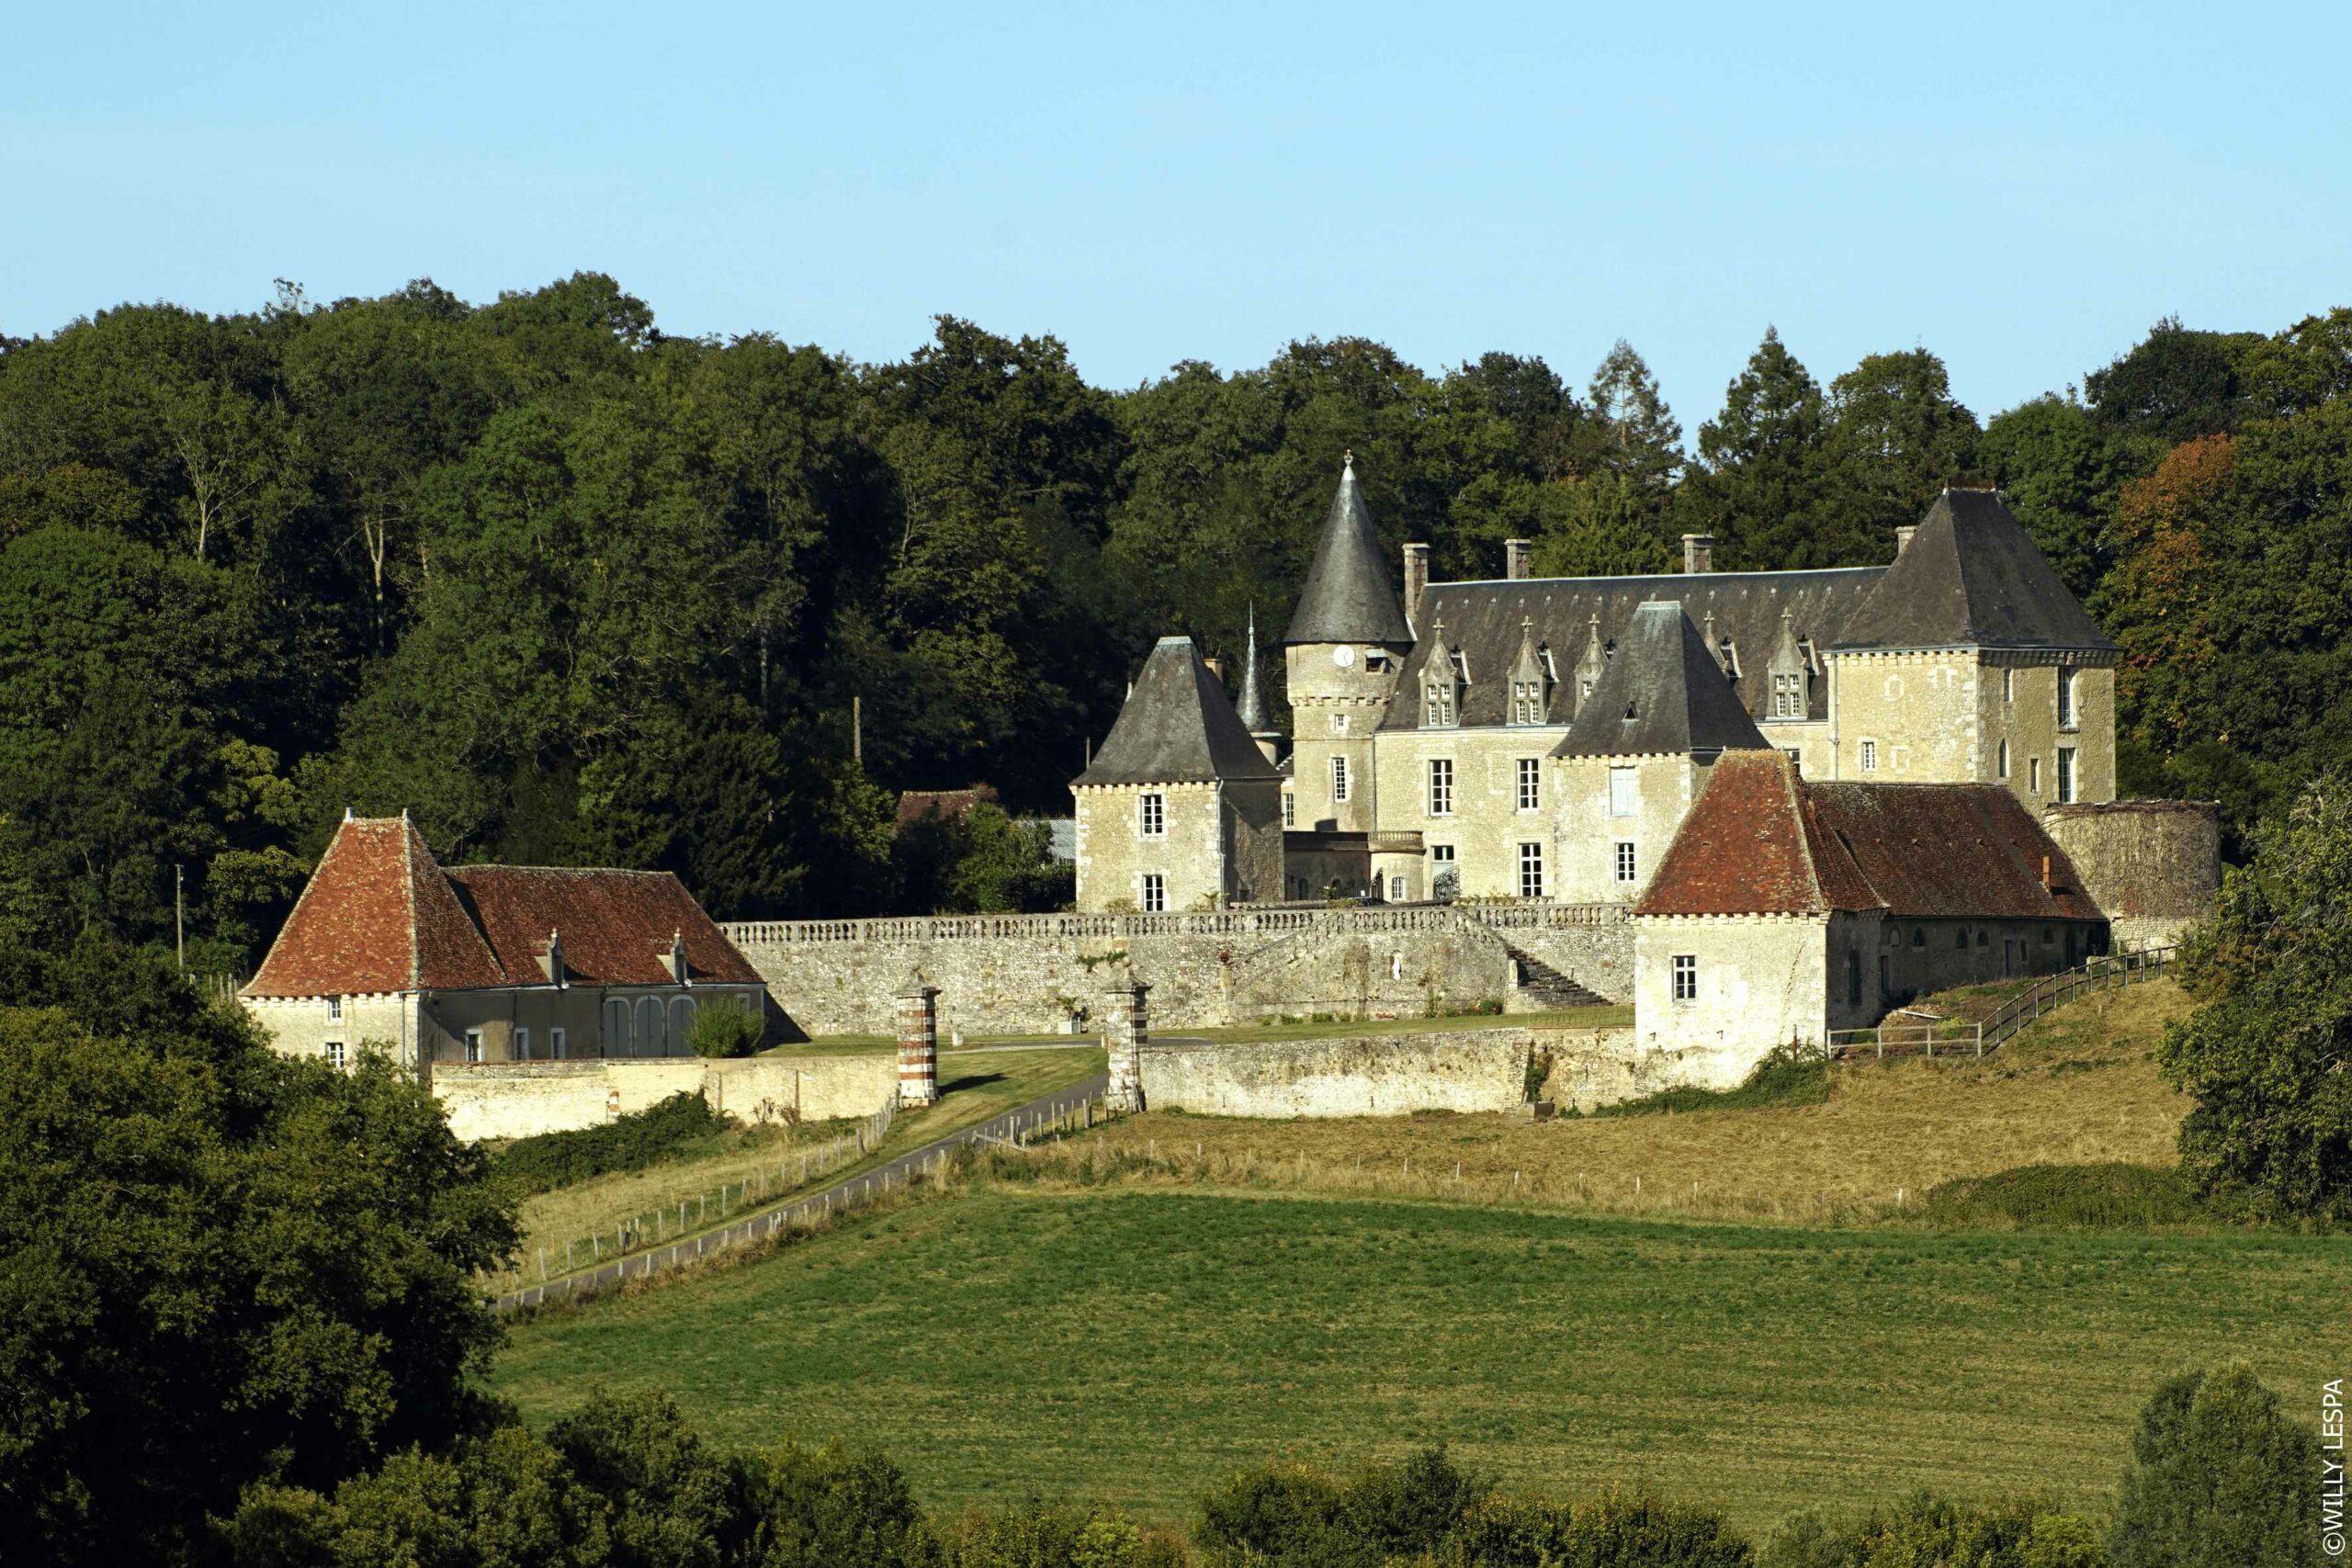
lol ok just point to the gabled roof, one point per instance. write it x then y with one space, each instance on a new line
1662 692
1348 596
1972 575
377 916
1484 619
616 926
381 916
1177 726
914 805
1762 841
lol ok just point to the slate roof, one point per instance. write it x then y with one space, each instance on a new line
1177 726
1762 841
1349 596
1662 692
1972 575
1482 619
380 915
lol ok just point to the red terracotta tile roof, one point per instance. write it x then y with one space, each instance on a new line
616 926
1762 841
952 804
380 915
377 916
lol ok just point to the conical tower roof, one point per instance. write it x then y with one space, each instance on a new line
1177 726
1972 576
1348 596
1663 693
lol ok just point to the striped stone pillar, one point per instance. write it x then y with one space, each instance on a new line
918 1041
1125 1031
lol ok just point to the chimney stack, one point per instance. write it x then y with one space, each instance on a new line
1515 554
1903 539
1698 552
1417 577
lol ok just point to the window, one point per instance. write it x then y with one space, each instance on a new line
1623 791
1531 871
556 1051
1788 695
1959 938
652 1035
2033 776
1440 703
682 1024
1151 815
1530 783
1870 756
1338 724
1441 787
1919 936
1290 809
1442 853
2066 698
1527 702
1982 939
1686 977
334 1010
1625 863
473 1045
1155 893
2066 774
2003 763
1338 779
1396 894
2008 686
335 1054
1795 758
522 1051
616 1041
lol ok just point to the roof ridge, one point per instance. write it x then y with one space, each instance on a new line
1801 807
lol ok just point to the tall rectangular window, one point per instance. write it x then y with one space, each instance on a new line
2008 685
335 1054
473 1045
1686 977
1624 794
1441 787
2033 776
1338 779
521 1051
1290 809
1531 871
557 1047
1870 756
1155 893
1625 863
1151 815
1530 783
2004 763
2066 774
1395 889
2066 698
334 1010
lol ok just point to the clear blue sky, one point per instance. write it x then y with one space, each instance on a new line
2022 189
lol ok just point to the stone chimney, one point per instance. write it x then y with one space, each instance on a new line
1903 539
1417 577
1698 552
1515 554
918 1013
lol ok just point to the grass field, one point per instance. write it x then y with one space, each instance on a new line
974 1085
1131 1345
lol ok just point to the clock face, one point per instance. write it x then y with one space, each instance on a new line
1343 657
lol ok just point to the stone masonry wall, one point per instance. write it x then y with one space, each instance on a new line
1034 973
1468 1070
519 1100
2152 866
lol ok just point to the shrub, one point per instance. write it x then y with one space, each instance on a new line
2218 1473
627 1143
1613 1529
2115 1196
721 1031
670 1499
1928 1531
1051 1535
1287 1514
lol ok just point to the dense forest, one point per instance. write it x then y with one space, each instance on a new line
575 591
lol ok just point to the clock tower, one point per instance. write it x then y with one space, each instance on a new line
1346 641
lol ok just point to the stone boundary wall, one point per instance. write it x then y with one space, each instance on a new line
519 1100
1034 972
1468 1070
2152 866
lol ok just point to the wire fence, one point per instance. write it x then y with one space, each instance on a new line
1914 1035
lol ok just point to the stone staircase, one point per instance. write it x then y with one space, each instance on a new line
1548 986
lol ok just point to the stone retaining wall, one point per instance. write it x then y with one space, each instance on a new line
519 1100
1468 1070
1034 973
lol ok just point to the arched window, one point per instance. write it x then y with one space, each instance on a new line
617 1042
650 1036
682 1023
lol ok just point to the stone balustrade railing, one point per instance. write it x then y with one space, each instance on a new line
1528 915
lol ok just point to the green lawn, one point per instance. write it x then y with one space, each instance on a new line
1132 1345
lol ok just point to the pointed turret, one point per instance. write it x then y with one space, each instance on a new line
1348 597
1530 681
1252 710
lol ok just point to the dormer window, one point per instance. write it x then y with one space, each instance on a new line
1527 702
1788 694
1440 703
